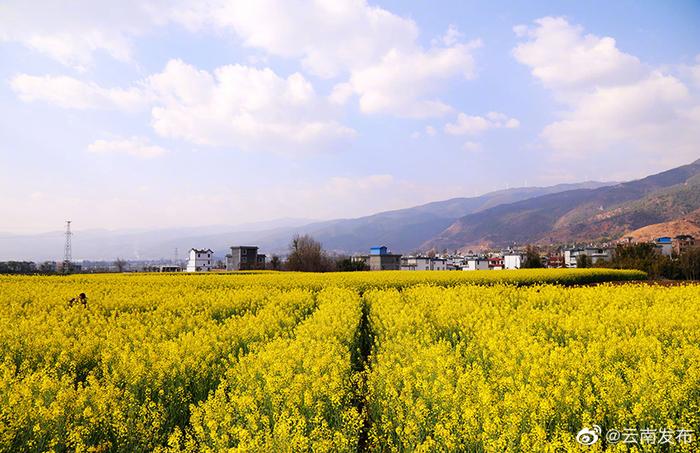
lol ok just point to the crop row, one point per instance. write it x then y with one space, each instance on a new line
146 285
184 363
524 369
123 373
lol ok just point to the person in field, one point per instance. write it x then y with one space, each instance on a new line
81 299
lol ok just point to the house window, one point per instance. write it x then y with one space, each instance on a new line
244 251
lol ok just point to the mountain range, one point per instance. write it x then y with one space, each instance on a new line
565 213
581 215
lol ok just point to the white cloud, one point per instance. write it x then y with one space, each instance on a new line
695 71
330 37
615 103
473 125
648 114
72 93
341 93
134 146
401 82
430 130
452 36
472 147
562 57
72 32
379 51
242 107
376 52
235 106
344 185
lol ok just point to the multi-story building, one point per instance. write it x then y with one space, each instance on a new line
682 243
594 254
496 263
199 260
476 264
244 258
455 262
664 245
379 259
554 261
423 263
513 260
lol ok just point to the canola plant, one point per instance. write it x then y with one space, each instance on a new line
387 361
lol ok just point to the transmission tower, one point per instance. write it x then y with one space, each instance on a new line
176 256
67 251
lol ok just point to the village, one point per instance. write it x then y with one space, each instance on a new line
380 258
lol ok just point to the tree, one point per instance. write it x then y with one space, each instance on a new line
346 264
120 264
17 267
47 267
275 263
689 263
307 255
644 257
532 258
583 261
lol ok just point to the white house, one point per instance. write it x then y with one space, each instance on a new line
200 260
594 254
476 264
513 260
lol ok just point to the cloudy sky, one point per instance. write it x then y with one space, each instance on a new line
160 113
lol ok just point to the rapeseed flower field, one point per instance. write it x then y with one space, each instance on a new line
522 360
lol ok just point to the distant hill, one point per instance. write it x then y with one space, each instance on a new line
579 215
403 230
688 224
590 211
102 244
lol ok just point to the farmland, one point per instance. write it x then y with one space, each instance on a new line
386 361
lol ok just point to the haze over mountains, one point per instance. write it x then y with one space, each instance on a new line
565 213
404 230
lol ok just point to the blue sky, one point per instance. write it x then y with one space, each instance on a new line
158 114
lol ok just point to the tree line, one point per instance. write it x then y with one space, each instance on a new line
27 267
306 254
645 257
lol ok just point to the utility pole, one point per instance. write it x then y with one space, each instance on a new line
67 251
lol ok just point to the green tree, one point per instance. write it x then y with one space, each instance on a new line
532 258
644 257
346 264
583 261
689 263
